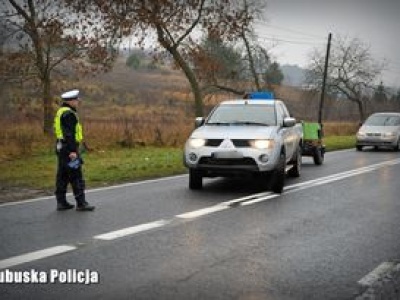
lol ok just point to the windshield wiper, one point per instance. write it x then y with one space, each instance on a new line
249 123
218 123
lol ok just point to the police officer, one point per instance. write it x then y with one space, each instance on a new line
69 135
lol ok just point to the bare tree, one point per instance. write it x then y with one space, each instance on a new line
254 59
176 25
246 33
226 66
219 66
352 71
44 34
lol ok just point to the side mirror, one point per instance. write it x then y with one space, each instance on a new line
289 122
199 122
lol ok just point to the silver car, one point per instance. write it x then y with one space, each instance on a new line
380 130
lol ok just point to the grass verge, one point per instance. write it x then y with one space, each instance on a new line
333 143
101 168
107 167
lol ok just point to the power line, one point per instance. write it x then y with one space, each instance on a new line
262 23
273 38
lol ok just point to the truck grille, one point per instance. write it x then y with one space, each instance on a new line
213 142
241 143
246 161
236 143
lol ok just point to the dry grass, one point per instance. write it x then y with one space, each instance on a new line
340 128
155 128
127 108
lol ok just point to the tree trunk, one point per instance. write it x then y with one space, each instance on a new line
198 100
251 62
47 107
361 110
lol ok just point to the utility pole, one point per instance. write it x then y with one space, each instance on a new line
321 103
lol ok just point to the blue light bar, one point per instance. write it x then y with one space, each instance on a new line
262 95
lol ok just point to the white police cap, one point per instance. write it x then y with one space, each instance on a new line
70 95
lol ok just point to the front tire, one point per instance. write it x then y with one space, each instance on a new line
278 176
359 148
295 170
195 180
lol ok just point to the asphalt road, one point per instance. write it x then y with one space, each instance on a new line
231 240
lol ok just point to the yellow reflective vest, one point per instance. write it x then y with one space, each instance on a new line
57 125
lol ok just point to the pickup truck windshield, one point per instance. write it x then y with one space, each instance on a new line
252 114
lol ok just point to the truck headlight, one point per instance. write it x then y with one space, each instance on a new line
197 143
263 144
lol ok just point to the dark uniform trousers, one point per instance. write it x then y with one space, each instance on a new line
66 175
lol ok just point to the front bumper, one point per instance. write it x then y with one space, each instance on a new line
377 141
222 162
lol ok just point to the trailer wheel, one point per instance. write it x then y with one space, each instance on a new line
318 156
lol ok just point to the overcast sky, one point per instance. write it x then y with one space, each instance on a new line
295 27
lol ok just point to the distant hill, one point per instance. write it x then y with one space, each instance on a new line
293 75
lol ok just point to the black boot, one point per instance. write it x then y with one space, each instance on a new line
85 207
64 206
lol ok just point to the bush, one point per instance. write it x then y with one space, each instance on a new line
133 61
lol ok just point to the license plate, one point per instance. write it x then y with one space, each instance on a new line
227 155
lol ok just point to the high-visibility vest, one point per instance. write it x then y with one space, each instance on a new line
57 125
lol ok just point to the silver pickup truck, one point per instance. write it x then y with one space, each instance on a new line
245 136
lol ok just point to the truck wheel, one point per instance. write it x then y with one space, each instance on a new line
195 180
359 148
295 170
318 156
397 147
278 176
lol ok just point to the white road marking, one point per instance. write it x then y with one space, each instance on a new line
202 212
377 273
245 198
254 201
339 176
243 201
131 230
135 183
95 190
341 151
32 256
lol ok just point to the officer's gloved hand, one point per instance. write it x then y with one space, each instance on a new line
75 163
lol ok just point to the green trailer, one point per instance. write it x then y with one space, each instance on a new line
312 142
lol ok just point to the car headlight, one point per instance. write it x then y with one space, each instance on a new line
263 144
361 134
389 134
197 143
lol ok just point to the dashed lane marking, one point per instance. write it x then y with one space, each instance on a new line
243 201
376 274
202 212
131 230
32 256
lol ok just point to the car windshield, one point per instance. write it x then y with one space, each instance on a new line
232 114
383 120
